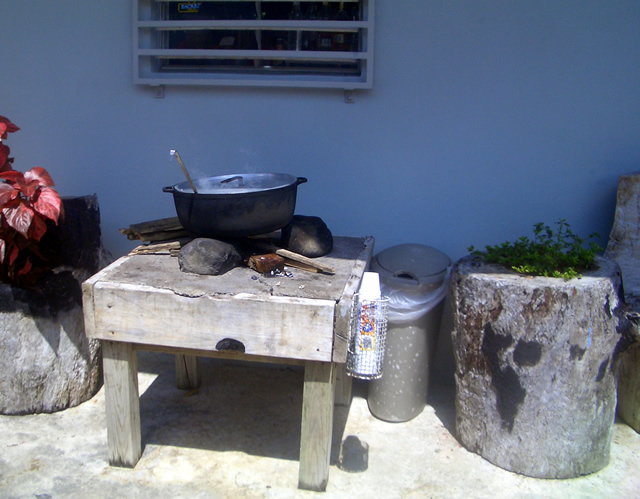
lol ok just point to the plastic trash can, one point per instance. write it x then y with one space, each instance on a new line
415 278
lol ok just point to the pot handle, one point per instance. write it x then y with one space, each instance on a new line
167 189
301 180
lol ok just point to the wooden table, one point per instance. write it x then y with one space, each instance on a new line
144 302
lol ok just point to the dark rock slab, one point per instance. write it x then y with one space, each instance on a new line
307 236
206 256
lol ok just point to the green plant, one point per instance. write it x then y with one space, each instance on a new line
28 203
551 254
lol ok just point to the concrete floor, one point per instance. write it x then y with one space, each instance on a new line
238 437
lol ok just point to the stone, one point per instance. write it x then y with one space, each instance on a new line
79 236
629 388
307 236
624 248
624 238
206 256
535 376
47 363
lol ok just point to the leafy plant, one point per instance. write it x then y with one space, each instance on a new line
28 203
551 254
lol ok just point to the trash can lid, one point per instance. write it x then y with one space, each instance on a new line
416 259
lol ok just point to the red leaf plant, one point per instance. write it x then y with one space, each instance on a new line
28 202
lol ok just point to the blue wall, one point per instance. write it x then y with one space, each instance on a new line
486 116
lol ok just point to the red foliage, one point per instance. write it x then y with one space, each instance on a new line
5 127
27 201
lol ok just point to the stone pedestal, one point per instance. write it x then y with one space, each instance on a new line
629 387
624 248
536 390
46 361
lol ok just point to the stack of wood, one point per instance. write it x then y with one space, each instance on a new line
155 230
162 237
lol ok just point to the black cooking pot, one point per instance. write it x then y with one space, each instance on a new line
236 205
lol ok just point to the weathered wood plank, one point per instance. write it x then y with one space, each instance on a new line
227 355
163 236
122 403
344 305
317 425
161 271
344 384
306 261
286 327
88 296
162 224
187 372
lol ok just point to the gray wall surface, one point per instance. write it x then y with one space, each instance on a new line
486 116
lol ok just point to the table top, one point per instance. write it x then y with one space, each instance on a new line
146 299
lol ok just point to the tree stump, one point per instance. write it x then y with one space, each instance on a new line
624 248
46 361
535 387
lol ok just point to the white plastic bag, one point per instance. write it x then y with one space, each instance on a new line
405 307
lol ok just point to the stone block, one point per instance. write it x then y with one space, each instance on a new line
535 377
47 363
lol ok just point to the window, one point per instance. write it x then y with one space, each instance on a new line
254 43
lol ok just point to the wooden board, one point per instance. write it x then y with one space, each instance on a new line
276 326
146 299
317 425
187 372
346 301
122 404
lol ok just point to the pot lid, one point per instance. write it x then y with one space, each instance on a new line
413 259
238 183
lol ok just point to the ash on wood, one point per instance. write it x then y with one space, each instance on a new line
536 391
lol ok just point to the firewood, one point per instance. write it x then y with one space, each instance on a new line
302 266
266 263
307 261
155 230
164 248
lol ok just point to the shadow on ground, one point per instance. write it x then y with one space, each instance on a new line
245 407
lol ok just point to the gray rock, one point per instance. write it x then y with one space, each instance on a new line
47 363
307 236
206 256
624 248
535 380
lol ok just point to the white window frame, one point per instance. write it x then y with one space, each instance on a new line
149 52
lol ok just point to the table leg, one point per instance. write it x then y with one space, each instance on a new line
187 372
317 425
122 403
344 384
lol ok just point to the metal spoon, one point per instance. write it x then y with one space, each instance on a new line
173 152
